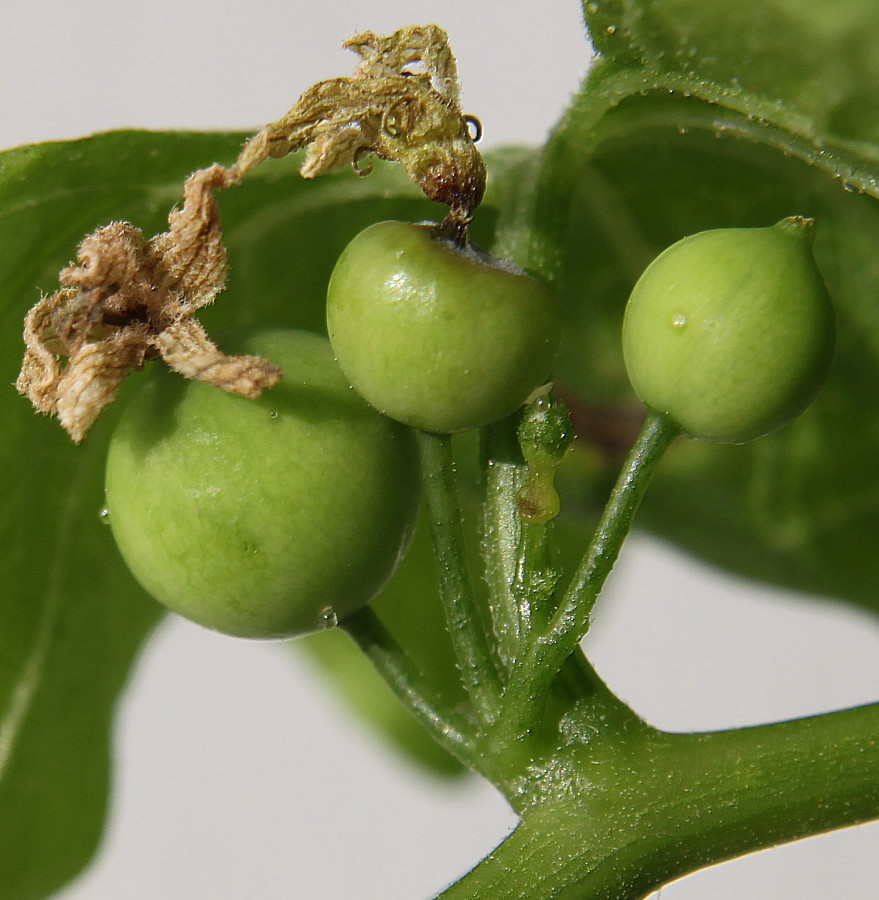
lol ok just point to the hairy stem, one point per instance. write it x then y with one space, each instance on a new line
638 815
502 467
571 621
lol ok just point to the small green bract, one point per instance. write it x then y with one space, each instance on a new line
731 332
437 336
262 518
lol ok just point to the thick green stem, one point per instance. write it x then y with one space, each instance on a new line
397 669
629 818
478 673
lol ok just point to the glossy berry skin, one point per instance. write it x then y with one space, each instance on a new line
262 518
439 337
731 332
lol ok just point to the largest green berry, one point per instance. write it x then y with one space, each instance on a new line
261 518
731 332
440 337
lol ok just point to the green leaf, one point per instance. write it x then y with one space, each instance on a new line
705 115
71 616
815 60
70 619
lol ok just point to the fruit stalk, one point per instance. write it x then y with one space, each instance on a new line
396 668
478 673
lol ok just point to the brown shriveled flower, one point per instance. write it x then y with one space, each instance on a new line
400 104
128 300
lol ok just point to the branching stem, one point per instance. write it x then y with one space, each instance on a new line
538 666
662 805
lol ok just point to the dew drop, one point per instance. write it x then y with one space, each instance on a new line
592 8
104 515
611 29
327 618
273 415
679 320
848 186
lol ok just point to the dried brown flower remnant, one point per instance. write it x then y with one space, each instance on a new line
400 104
127 300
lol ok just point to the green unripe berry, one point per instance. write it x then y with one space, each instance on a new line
731 332
440 337
261 518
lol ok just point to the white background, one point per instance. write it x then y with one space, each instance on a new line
237 775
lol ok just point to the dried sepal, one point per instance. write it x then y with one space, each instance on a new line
401 103
41 368
86 387
425 45
127 300
188 350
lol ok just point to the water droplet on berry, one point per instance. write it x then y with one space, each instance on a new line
328 618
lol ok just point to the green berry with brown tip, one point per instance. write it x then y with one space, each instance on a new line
441 337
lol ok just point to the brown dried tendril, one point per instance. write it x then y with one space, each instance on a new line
127 300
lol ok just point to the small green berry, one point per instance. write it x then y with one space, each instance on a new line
731 332
441 337
263 518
